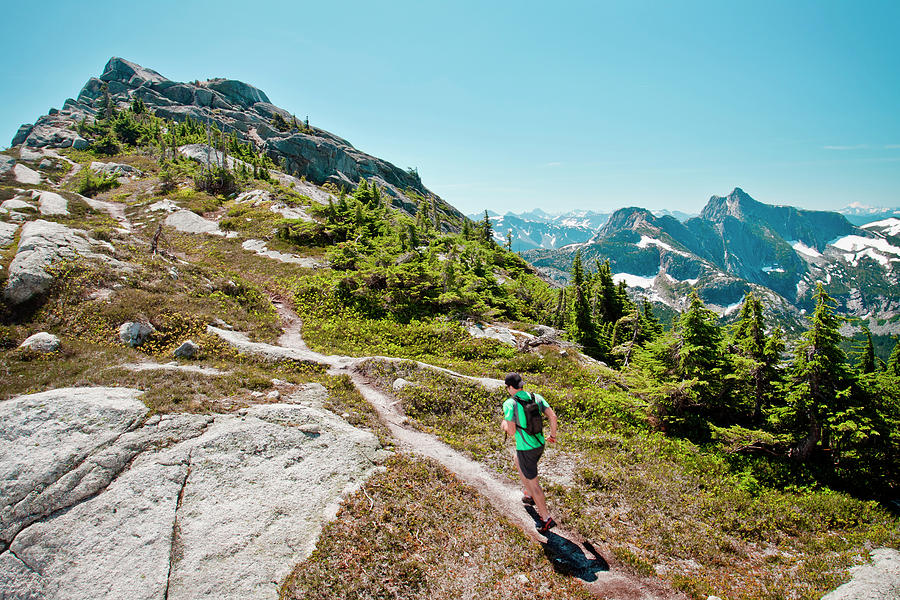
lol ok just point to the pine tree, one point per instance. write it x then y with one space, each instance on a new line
509 239
700 354
584 331
466 229
893 363
820 381
756 354
487 231
560 312
867 356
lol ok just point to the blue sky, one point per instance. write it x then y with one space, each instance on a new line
520 105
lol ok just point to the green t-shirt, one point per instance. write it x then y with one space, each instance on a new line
511 412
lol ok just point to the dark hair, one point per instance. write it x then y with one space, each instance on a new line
514 379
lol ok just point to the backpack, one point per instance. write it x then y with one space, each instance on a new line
534 415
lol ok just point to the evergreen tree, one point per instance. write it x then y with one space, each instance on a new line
509 239
867 356
560 312
893 363
413 236
466 229
756 354
487 231
650 327
820 381
700 353
584 331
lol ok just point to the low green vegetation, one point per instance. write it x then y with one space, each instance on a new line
728 461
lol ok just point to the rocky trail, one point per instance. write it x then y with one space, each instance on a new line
569 552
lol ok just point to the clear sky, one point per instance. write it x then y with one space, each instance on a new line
518 105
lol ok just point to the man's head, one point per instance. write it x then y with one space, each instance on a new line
514 381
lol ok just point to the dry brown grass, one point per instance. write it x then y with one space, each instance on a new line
415 531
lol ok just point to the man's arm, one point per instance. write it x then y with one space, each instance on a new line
551 416
508 426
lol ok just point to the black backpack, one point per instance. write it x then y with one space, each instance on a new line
534 415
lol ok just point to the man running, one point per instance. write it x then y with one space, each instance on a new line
529 448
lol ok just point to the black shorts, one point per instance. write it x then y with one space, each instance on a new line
528 461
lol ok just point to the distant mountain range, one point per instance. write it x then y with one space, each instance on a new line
539 229
737 244
860 214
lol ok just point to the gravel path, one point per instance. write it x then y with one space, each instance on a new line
564 546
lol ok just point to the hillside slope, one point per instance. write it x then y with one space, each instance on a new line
186 331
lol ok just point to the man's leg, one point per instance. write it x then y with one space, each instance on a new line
533 488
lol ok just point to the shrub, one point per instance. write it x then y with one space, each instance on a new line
92 183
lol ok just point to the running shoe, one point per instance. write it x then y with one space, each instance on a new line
545 525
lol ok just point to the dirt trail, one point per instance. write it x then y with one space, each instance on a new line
565 548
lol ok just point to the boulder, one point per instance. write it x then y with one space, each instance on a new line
176 506
207 155
501 334
25 175
22 134
41 244
116 170
6 164
259 247
237 92
52 204
46 163
187 350
41 342
254 197
400 383
17 203
165 204
7 234
26 153
189 222
134 333
47 134
127 72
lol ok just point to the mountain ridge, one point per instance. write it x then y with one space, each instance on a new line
738 244
236 108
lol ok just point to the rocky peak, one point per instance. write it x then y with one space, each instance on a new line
630 218
737 204
129 73
238 92
239 109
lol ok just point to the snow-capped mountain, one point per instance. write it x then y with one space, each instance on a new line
538 229
738 244
861 214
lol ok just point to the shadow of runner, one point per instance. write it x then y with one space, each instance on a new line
569 558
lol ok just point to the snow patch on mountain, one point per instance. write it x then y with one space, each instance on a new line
856 247
805 250
634 280
892 226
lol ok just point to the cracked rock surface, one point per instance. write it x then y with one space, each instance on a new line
99 501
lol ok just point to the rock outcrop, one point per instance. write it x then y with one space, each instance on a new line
41 244
190 222
187 350
234 107
98 501
134 333
7 234
41 342
51 204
